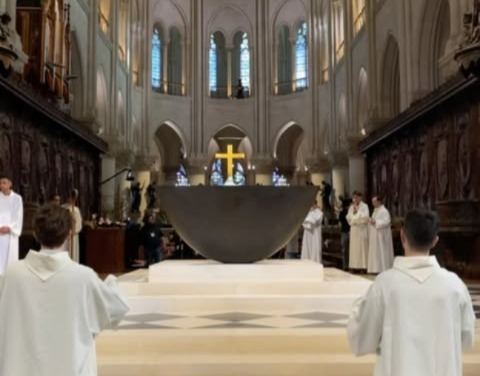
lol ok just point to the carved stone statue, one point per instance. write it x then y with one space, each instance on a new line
151 195
136 192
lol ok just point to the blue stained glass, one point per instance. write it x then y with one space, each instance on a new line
245 61
301 57
213 64
156 59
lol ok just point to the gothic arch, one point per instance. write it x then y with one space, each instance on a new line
229 29
287 142
171 144
390 79
283 14
434 34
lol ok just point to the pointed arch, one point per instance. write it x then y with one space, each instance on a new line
435 32
171 144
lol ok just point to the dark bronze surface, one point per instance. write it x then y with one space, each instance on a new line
236 224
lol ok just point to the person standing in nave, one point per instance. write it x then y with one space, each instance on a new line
380 242
312 235
52 308
417 317
151 238
358 217
345 230
11 222
73 245
326 193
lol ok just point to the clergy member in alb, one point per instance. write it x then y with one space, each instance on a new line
312 235
417 317
358 217
73 244
11 222
51 308
380 243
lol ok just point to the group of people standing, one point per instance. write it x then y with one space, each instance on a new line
369 237
11 222
371 243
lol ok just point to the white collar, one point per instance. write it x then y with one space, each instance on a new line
47 263
418 267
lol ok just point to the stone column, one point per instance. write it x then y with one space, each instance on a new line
339 165
229 70
263 169
197 172
170 175
107 190
356 169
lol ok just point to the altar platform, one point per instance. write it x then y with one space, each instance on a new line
202 318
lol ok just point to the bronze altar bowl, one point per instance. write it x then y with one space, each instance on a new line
236 224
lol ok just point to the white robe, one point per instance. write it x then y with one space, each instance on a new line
11 215
380 243
312 236
416 317
51 309
358 236
77 218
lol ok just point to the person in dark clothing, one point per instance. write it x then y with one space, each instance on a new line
326 193
345 236
151 240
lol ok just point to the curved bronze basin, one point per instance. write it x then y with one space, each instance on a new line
236 224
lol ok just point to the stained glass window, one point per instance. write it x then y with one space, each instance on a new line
156 59
301 57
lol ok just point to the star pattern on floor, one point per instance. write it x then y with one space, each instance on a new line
231 320
234 320
475 294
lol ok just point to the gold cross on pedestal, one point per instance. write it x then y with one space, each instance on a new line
230 156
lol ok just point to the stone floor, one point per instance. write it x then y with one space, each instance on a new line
183 323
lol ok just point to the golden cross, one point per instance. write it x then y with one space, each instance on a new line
230 156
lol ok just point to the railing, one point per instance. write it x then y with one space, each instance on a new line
359 21
170 88
221 92
289 87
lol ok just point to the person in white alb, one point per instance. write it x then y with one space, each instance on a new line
11 223
380 242
358 217
312 235
417 317
51 308
73 244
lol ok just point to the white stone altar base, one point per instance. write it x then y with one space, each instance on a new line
208 271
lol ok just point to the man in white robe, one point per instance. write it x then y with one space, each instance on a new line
358 217
380 242
417 317
312 235
11 223
51 308
73 244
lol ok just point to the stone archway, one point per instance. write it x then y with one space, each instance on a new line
229 134
289 151
172 151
